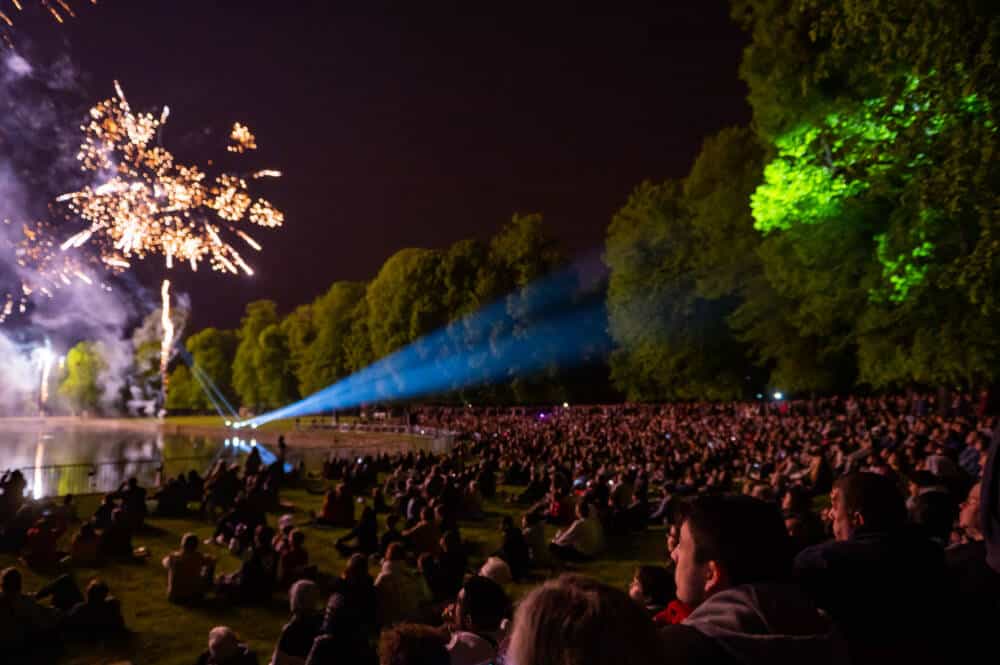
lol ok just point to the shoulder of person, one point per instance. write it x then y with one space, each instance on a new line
689 645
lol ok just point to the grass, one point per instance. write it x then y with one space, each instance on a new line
164 634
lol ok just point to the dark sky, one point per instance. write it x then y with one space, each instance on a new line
417 123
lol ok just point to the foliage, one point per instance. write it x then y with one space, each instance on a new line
81 387
260 314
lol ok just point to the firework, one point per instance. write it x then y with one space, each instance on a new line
151 204
58 9
46 362
45 268
168 335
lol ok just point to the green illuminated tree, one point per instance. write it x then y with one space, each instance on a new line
259 315
81 385
327 357
213 352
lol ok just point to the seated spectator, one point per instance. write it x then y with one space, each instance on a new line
533 529
582 541
133 500
224 648
341 639
803 526
574 620
357 589
102 516
513 549
116 540
653 588
449 567
40 545
294 562
400 592
338 508
391 535
413 644
366 533
425 536
480 608
472 502
26 626
497 570
96 618
733 567
297 636
255 580
189 572
868 573
64 592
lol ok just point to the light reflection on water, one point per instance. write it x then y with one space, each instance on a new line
77 461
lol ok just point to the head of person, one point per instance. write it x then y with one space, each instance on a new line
223 644
582 510
97 592
391 520
574 620
297 538
413 644
427 514
651 585
726 541
189 542
10 582
865 502
969 515
356 569
304 597
451 542
481 605
87 531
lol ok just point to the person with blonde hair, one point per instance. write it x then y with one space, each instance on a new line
574 620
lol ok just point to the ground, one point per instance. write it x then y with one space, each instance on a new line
164 634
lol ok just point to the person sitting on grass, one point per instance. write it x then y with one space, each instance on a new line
96 618
574 620
357 589
338 508
425 536
366 533
40 545
116 540
480 608
225 648
341 639
26 626
294 563
400 592
733 567
413 644
392 533
189 572
582 541
297 636
254 582
653 588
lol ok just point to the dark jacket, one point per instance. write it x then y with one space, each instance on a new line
769 624
881 588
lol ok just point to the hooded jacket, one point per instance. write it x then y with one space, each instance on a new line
768 624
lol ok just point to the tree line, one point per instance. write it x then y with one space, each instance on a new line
846 238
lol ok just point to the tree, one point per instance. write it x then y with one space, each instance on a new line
213 352
327 357
81 386
246 381
275 376
299 330
185 393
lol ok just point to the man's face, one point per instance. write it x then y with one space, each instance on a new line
842 525
969 516
689 575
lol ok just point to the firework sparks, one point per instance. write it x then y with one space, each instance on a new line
57 9
153 205
46 361
168 335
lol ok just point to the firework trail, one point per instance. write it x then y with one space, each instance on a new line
168 335
46 362
58 9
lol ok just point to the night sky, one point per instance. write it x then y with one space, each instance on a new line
414 123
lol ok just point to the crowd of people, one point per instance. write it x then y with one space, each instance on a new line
843 530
